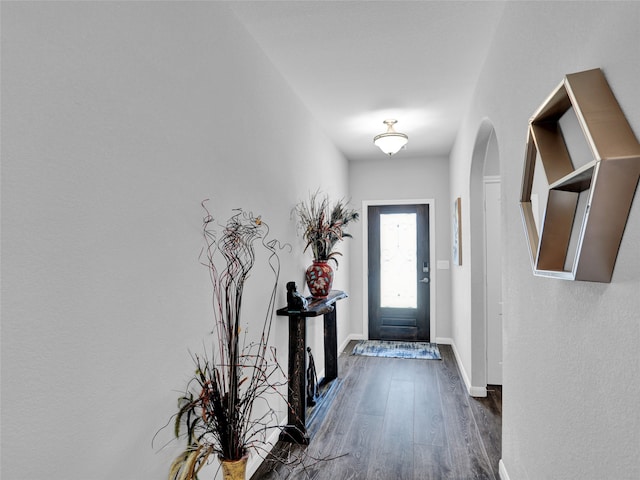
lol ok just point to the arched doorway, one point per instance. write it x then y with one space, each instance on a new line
485 262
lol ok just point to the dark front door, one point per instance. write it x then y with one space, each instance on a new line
399 272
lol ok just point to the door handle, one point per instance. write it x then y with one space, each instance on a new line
424 280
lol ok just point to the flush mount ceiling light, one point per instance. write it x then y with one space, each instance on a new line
390 141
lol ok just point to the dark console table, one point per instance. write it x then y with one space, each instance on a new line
296 430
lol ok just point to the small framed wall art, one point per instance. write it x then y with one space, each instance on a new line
456 234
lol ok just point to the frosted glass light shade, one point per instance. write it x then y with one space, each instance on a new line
391 141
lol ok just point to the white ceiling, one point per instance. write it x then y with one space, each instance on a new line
356 63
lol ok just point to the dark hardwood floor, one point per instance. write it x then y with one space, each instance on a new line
398 419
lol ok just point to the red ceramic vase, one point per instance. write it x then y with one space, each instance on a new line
319 279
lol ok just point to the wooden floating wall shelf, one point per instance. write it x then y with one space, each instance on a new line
587 207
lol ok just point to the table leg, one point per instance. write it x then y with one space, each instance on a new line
296 430
330 346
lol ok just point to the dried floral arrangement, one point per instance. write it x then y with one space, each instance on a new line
323 224
216 412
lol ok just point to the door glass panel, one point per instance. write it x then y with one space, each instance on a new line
398 252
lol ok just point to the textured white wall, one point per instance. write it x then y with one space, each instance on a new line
399 178
118 119
571 358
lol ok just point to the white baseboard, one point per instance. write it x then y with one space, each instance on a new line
350 338
471 390
477 391
502 471
256 460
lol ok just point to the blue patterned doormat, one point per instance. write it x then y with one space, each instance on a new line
381 348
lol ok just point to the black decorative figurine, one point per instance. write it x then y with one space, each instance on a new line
312 381
295 301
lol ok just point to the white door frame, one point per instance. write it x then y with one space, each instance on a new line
432 259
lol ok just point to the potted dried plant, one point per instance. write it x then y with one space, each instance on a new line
215 414
323 225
